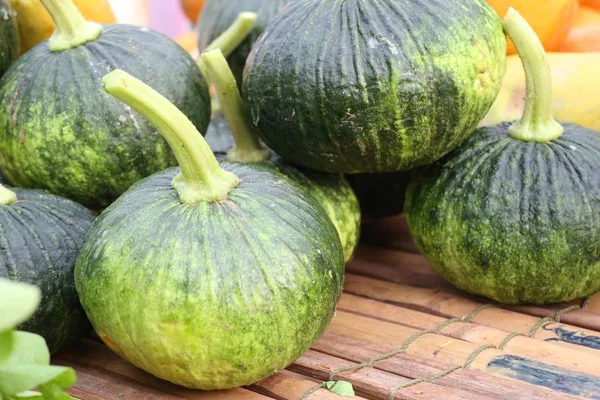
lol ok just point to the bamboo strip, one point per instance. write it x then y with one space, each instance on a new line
374 382
95 385
282 386
95 355
446 304
583 318
524 346
416 367
593 304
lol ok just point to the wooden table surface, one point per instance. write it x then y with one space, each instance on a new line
401 332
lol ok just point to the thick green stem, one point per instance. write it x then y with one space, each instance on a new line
537 123
72 29
201 178
232 37
247 146
6 196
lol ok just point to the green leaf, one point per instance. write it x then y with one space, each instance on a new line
18 302
341 388
51 380
6 345
28 349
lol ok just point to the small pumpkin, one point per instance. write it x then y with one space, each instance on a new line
36 25
332 191
371 86
41 237
209 276
9 37
61 132
218 15
513 213
380 195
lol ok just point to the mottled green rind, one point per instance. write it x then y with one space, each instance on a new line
218 15
332 191
517 222
380 195
60 131
9 37
40 238
215 295
370 86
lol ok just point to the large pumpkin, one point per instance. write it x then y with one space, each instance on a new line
209 276
374 85
61 132
218 15
41 236
513 213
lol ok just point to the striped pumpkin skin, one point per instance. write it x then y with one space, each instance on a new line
215 295
40 238
9 37
369 86
61 132
218 15
517 222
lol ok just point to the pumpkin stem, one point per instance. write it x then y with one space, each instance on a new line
6 196
247 146
229 40
201 178
537 123
72 29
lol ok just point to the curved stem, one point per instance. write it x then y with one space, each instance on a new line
6 196
247 146
72 29
201 178
537 123
229 40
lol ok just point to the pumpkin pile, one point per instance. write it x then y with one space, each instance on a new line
204 237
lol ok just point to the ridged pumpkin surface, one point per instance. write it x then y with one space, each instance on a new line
374 85
518 222
40 236
9 37
218 15
213 295
60 131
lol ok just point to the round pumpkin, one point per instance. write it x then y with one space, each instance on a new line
218 15
41 237
9 37
209 276
371 86
61 132
513 213
380 195
332 191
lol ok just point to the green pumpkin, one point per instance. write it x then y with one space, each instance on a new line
370 86
41 237
209 276
9 37
58 129
513 213
218 15
380 195
332 191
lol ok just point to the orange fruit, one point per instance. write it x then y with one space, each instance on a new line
193 8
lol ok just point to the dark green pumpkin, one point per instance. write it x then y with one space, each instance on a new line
9 37
61 132
380 195
514 213
208 294
41 236
369 86
218 15
511 220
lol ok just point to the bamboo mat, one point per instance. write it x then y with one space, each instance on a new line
401 332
